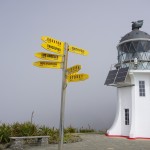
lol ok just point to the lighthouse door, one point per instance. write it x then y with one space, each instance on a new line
124 95
125 121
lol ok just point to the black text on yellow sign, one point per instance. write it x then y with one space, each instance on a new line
48 64
48 39
73 69
77 50
48 56
53 48
54 44
77 77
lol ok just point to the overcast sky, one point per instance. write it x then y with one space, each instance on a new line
95 25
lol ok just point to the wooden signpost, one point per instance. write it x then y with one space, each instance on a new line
59 60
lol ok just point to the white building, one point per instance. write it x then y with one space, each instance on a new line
132 79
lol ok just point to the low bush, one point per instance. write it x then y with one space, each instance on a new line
70 130
23 129
30 129
5 133
43 130
86 130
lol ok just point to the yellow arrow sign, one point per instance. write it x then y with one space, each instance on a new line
53 48
48 39
78 50
48 64
77 77
73 69
47 56
53 42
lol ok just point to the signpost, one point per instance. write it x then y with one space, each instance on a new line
48 64
73 69
60 62
47 56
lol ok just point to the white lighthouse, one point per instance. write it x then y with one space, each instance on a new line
131 77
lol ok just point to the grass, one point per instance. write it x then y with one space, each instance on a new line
30 129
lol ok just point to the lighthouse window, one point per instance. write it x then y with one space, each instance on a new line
142 88
126 116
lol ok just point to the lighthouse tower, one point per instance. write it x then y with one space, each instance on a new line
131 77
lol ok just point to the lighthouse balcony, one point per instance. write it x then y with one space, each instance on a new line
134 64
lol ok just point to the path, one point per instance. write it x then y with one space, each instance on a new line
100 142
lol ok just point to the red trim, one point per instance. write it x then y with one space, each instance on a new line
116 136
121 136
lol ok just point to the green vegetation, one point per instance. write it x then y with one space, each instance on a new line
30 129
86 130
5 132
23 129
70 130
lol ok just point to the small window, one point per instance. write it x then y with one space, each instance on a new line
126 116
141 88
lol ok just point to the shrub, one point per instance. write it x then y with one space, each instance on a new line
28 129
24 129
71 138
43 130
54 136
5 132
70 130
86 130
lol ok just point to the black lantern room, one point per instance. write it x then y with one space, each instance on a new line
134 49
133 54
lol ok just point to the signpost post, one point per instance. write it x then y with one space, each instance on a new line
59 61
63 95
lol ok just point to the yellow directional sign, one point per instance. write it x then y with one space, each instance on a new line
53 42
47 56
73 69
78 50
53 48
48 39
48 64
77 77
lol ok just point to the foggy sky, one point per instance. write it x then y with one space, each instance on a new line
95 25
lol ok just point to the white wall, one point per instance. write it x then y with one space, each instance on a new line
142 105
115 129
139 108
124 102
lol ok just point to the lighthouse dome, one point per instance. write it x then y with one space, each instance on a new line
135 34
134 48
